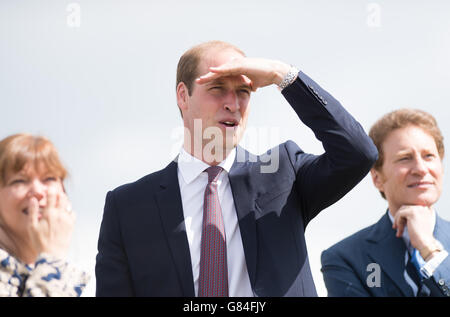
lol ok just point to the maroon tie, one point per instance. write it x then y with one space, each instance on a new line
213 279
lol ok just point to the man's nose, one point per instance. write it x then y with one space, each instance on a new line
231 102
420 166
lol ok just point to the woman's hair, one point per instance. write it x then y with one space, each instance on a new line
16 151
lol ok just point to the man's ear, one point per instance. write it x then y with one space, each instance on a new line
182 96
377 179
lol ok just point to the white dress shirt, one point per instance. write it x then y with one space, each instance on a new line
193 179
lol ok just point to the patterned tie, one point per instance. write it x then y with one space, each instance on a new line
213 279
412 270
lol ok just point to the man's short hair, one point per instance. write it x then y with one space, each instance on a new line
187 70
399 119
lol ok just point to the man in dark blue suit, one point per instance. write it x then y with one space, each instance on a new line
152 238
405 252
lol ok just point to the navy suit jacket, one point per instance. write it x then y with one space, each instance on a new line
143 248
345 264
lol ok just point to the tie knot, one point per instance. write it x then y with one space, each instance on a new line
213 173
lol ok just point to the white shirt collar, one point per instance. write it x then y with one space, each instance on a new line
191 167
405 231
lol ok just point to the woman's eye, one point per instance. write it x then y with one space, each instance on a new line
17 181
50 179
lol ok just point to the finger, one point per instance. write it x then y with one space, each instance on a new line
401 216
52 198
207 78
52 203
33 212
396 221
64 203
227 69
401 227
72 218
231 64
247 80
65 209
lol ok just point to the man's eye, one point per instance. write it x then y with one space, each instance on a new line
245 91
50 179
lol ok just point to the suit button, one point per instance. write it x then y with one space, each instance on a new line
441 282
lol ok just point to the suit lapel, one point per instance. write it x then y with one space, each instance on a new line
389 252
172 217
239 182
441 233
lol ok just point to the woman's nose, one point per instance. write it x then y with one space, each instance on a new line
38 189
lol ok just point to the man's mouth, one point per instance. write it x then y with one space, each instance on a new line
421 184
229 123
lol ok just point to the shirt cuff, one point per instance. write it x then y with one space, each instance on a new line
427 269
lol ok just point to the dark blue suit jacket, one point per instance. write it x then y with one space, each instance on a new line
143 248
345 264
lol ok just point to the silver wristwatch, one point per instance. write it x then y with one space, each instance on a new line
290 77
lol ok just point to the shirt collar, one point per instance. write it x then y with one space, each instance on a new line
191 167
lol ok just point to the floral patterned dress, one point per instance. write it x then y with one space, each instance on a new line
49 276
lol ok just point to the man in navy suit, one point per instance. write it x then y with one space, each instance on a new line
151 241
404 253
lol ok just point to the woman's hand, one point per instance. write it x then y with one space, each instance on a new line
50 228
